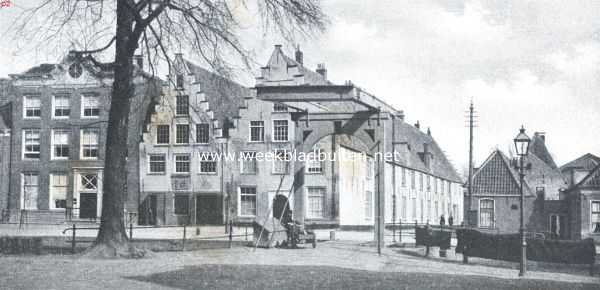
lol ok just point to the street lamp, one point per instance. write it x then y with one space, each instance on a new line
522 146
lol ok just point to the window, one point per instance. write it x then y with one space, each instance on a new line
404 208
157 163
30 191
428 183
202 133
403 177
162 134
58 191
257 131
314 162
279 107
316 202
61 106
595 216
182 134
31 144
442 184
368 205
89 143
32 106
370 169
181 204
60 144
421 181
179 81
89 182
280 130
449 188
437 210
182 163
248 163
207 163
90 106
435 185
414 208
486 213
182 105
247 201
281 160
412 179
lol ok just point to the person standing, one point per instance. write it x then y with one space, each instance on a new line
450 221
442 221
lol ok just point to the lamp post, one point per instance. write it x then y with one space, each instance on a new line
522 147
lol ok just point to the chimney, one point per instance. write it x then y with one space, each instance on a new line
428 131
278 46
139 61
400 115
427 156
322 70
541 135
417 125
299 56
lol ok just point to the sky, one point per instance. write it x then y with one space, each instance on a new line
530 63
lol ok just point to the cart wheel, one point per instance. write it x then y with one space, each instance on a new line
314 243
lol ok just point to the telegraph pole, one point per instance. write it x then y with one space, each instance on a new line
470 181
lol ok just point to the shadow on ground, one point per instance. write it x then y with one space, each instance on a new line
322 277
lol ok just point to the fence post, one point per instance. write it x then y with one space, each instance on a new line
400 231
465 246
230 233
130 231
183 241
73 240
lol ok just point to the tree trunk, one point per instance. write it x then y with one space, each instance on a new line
112 238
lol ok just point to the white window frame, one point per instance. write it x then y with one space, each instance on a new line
262 136
287 153
23 190
157 132
203 159
313 164
591 212
32 96
310 213
51 203
83 106
239 207
82 143
53 143
493 221
54 97
177 134
164 156
245 159
175 163
24 144
287 137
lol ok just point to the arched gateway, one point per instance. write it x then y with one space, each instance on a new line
322 111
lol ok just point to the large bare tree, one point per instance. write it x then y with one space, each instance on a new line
208 28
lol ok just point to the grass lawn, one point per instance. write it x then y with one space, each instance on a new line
325 277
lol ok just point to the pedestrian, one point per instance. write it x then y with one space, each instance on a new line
450 221
442 220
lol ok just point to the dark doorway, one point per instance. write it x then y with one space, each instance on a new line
209 210
88 205
148 210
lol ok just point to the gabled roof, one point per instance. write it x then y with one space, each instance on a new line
586 162
223 95
279 59
496 177
592 180
538 147
440 166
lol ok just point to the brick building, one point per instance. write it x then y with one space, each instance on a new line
57 117
583 196
291 111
